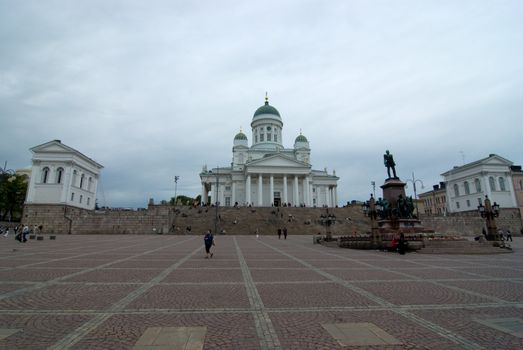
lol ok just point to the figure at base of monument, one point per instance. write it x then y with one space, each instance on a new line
388 160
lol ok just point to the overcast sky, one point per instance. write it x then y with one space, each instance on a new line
154 89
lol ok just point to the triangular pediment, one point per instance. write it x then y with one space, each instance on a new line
53 146
56 146
494 159
278 160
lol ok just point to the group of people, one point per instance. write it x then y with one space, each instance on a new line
20 232
399 244
284 231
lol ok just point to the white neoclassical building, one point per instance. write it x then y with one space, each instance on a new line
62 175
268 174
467 185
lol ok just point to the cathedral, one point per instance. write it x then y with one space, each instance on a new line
266 173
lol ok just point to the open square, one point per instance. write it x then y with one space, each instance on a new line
255 293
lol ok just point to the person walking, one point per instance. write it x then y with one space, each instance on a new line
279 233
508 235
285 232
25 232
209 242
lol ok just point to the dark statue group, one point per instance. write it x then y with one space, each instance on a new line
403 210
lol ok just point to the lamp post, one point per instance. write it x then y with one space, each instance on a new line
414 180
216 202
489 213
373 183
176 178
371 209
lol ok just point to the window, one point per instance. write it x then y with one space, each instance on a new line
88 200
477 184
227 188
269 137
59 175
228 201
82 181
521 184
90 184
261 137
456 190
492 183
457 205
275 138
468 203
72 196
45 175
467 188
501 184
81 197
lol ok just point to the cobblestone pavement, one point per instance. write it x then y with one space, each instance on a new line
104 292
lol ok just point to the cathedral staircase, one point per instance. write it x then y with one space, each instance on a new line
267 220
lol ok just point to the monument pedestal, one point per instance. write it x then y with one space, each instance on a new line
392 188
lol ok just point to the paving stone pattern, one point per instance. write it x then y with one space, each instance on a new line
107 291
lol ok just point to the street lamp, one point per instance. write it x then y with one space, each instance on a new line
176 178
414 180
489 213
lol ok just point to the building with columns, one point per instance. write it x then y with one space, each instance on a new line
62 175
268 174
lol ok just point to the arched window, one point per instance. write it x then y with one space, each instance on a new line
82 181
45 175
59 175
501 184
456 190
492 183
467 189
75 174
90 184
477 183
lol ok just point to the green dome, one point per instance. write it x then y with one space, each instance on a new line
301 138
266 109
240 136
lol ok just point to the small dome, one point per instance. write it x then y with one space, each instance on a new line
301 138
240 136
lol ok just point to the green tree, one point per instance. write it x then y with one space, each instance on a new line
13 189
182 200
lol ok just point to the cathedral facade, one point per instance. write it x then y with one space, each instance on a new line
268 174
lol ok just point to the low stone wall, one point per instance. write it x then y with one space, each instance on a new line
471 224
166 219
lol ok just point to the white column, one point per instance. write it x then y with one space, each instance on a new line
222 195
260 190
335 195
329 197
233 196
295 192
271 189
309 191
285 198
248 190
487 191
510 186
203 194
66 184
305 191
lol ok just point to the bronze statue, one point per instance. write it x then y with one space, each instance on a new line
388 159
